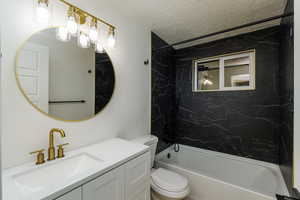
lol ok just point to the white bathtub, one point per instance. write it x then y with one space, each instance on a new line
219 176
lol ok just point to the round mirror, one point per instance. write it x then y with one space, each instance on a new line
62 79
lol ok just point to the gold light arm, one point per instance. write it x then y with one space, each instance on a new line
90 15
43 1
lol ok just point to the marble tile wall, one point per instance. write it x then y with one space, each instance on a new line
253 124
287 97
243 123
163 93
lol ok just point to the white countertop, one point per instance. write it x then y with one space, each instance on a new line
112 152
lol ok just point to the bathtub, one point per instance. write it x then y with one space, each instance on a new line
219 176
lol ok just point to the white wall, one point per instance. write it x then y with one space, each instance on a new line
0 115
297 98
128 113
66 59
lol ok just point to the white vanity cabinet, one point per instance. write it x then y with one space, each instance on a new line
130 181
73 195
109 186
137 178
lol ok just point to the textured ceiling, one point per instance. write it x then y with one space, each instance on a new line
178 20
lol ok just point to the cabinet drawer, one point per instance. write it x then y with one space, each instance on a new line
137 174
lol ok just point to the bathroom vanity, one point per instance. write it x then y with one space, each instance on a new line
114 170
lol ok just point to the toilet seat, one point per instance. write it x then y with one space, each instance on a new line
169 184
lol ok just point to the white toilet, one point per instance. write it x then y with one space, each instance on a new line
165 184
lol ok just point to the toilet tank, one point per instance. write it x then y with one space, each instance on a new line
151 141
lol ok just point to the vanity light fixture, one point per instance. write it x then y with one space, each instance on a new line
75 18
83 40
63 34
42 11
111 40
72 25
93 32
99 47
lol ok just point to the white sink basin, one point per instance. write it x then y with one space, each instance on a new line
59 172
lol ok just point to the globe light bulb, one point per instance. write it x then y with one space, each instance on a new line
42 11
93 33
111 40
72 25
63 34
99 47
207 82
83 40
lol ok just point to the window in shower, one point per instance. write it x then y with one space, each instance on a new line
225 73
208 75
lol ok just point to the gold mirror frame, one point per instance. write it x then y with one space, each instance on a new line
36 107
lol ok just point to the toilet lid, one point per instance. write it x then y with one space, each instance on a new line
169 180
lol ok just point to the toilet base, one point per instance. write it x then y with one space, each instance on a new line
156 196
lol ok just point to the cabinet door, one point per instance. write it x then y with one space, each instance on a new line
137 178
73 195
110 186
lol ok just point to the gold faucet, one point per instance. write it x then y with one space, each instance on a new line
51 149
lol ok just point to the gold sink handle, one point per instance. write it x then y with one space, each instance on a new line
60 150
40 159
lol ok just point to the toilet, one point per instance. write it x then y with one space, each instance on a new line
165 184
